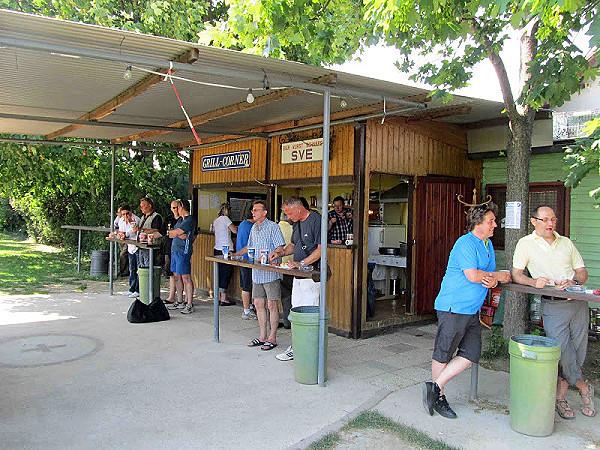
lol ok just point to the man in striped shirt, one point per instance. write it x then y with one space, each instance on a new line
265 235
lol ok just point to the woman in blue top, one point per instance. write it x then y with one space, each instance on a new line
469 275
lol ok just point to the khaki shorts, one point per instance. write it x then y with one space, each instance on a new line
270 291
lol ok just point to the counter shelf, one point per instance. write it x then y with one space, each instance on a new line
546 291
252 265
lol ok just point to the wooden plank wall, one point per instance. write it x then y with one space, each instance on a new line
420 148
339 287
258 161
341 163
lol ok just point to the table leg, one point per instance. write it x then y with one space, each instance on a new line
474 377
79 252
110 274
150 276
216 303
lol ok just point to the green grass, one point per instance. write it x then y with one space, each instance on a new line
28 268
374 420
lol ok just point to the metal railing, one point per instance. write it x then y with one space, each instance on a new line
570 124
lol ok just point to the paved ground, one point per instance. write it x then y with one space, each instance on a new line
76 374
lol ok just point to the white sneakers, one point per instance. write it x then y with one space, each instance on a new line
131 294
288 355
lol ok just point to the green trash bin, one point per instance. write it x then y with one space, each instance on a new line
143 276
533 374
305 339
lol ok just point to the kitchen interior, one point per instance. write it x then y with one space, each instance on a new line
388 282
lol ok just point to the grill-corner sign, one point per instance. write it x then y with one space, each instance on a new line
302 151
226 161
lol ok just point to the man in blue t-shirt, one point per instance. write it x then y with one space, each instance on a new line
181 256
469 275
245 272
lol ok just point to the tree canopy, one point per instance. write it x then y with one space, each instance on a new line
177 19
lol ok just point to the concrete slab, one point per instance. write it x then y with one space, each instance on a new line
485 424
161 385
168 385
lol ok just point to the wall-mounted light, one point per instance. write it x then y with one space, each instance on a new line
127 74
250 96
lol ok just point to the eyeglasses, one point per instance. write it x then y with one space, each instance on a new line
174 207
128 213
546 219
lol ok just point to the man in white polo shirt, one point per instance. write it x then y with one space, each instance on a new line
553 260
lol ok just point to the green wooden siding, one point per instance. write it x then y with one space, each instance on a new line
585 217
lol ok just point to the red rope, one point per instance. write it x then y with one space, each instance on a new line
182 108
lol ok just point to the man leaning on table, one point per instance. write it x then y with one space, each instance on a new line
306 248
553 260
125 224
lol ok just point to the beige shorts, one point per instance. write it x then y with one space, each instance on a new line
270 290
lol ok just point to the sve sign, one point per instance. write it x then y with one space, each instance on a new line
302 151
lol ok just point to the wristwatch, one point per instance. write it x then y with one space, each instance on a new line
302 263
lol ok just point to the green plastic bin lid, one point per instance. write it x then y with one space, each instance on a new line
533 347
307 315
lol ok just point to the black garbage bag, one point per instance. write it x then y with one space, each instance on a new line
157 311
141 313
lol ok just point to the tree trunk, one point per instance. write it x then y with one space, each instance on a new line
516 306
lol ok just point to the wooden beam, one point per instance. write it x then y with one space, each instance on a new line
440 112
360 111
229 110
139 88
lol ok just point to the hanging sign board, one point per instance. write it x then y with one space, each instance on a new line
302 151
226 161
513 215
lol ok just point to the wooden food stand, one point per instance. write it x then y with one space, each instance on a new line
368 158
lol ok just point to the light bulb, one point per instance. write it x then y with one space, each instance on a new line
250 97
343 103
127 74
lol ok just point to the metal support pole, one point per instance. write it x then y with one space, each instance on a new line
117 261
474 375
79 252
112 218
151 275
324 211
216 304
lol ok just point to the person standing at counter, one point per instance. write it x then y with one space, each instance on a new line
306 248
339 223
150 223
469 275
288 280
223 227
125 224
552 259
181 255
243 234
266 286
170 224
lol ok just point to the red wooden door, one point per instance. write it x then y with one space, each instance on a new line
440 221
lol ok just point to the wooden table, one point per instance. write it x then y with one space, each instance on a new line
81 228
151 259
216 260
546 291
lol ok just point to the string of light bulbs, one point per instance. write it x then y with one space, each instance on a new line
249 98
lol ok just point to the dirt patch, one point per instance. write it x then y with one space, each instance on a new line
372 439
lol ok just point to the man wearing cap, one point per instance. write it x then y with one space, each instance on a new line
553 260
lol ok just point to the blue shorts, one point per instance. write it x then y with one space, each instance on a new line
181 263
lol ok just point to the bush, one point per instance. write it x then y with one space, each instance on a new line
497 346
10 220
